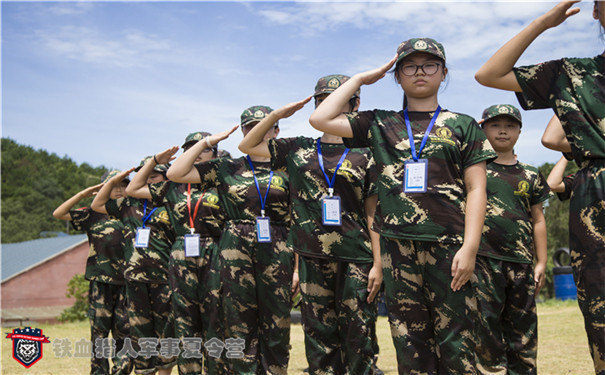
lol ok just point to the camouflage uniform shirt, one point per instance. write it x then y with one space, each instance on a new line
149 265
455 143
355 181
105 261
575 89
207 223
238 197
508 230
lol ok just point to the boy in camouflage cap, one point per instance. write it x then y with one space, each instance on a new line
193 275
340 266
430 207
105 272
146 275
574 89
514 226
256 275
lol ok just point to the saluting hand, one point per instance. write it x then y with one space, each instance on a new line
371 76
166 156
559 13
216 138
290 109
122 175
91 190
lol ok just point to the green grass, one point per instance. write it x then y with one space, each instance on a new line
562 347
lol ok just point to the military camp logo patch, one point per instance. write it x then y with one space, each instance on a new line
211 200
259 114
523 189
443 135
333 83
503 110
27 345
420 44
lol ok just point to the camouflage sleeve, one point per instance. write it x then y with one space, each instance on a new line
360 124
279 149
158 191
371 182
540 191
209 172
80 218
568 183
568 156
114 207
537 81
475 147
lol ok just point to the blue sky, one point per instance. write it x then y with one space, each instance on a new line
108 83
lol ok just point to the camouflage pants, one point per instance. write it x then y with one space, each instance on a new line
433 327
257 298
338 321
149 313
587 246
195 283
508 333
107 313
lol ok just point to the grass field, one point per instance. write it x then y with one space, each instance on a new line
562 346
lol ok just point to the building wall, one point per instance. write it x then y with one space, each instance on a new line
46 284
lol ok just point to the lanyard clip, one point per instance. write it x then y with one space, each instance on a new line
192 230
331 191
262 213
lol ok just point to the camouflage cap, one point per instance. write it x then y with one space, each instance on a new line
255 113
426 45
160 168
501 110
110 174
195 137
327 84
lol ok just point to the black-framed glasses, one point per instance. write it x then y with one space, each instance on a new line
428 68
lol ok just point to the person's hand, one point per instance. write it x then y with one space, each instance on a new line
166 156
374 282
539 276
290 109
295 284
559 14
371 76
216 138
91 190
463 266
122 175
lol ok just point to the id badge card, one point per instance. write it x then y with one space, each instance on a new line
192 245
263 229
332 214
416 176
142 237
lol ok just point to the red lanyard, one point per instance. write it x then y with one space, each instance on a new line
197 206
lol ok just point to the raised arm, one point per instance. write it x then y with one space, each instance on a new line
62 212
555 177
497 72
254 142
328 117
554 136
138 187
98 204
182 170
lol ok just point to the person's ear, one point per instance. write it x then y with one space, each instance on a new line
275 131
444 73
595 10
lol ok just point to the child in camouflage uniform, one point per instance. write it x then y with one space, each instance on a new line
574 88
514 229
194 276
340 265
147 289
105 271
256 263
431 205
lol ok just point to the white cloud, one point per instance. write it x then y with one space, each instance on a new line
130 48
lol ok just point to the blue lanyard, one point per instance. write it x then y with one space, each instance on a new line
321 166
426 134
262 201
145 215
